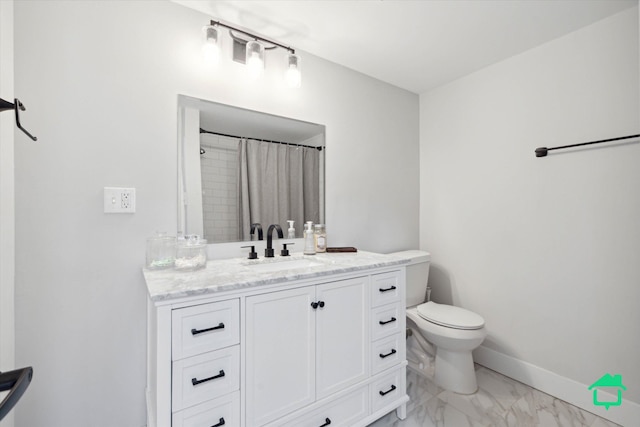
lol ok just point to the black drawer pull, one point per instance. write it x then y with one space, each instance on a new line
195 381
393 319
392 288
382 393
220 423
393 351
196 332
327 421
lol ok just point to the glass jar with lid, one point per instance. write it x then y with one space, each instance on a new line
161 250
191 253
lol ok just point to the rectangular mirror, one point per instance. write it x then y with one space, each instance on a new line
238 167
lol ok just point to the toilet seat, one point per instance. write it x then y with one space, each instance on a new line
450 316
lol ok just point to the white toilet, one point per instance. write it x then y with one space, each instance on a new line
452 333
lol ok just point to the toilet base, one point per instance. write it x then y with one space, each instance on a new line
455 371
419 358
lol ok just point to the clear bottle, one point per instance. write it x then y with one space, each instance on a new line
320 238
309 240
291 234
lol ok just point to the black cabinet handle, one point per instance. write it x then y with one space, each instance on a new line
393 351
196 381
315 305
393 319
382 393
327 421
220 423
196 332
320 304
392 288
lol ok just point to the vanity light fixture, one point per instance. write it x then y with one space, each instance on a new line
210 48
293 75
255 59
251 52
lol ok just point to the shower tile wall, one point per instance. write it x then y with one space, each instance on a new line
219 187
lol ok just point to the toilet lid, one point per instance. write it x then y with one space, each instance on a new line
450 316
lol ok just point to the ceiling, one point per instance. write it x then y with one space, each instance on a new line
415 45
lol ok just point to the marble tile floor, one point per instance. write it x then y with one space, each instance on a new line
500 401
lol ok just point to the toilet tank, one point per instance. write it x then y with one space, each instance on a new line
417 275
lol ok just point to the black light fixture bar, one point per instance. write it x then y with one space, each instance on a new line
543 151
253 36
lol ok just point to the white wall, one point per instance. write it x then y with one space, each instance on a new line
101 81
547 250
7 200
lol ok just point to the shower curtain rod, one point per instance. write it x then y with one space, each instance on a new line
542 151
258 139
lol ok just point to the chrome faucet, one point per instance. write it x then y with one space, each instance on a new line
253 228
268 252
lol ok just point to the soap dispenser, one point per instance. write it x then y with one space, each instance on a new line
309 240
291 233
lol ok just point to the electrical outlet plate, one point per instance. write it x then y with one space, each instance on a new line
119 200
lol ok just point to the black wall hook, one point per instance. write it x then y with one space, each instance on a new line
16 106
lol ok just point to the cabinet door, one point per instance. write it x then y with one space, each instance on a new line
280 354
342 347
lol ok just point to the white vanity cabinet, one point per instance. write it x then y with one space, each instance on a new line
320 347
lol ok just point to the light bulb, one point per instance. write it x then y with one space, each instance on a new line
210 53
292 75
210 49
255 59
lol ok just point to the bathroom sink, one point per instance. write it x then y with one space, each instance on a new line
280 264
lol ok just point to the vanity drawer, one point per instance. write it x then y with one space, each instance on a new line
387 320
223 411
385 288
204 377
345 412
203 328
387 352
388 389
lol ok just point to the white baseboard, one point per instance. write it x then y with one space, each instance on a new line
577 394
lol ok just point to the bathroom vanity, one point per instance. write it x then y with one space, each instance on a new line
286 341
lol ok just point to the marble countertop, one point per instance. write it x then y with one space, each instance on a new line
242 273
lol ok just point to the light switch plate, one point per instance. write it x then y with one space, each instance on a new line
119 200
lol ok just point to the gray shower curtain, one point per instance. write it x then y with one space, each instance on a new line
276 183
